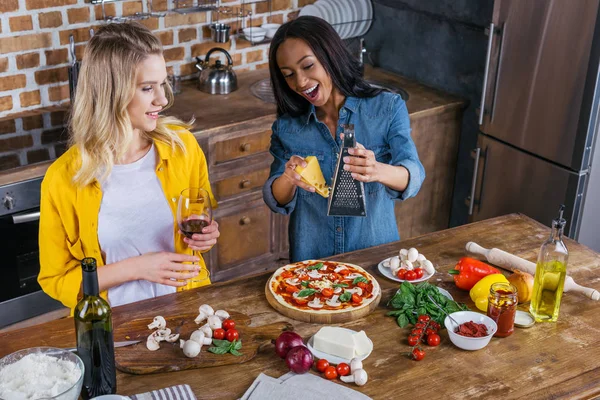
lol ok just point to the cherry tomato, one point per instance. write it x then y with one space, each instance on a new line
434 325
228 324
322 365
344 272
424 318
410 276
401 274
330 372
232 334
417 332
286 274
413 340
433 339
342 369
430 331
356 298
418 354
328 293
362 285
420 325
219 334
420 273
291 289
301 300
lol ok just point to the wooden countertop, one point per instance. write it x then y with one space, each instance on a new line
551 360
212 113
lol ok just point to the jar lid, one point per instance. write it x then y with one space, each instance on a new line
523 319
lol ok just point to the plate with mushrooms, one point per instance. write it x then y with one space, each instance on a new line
409 265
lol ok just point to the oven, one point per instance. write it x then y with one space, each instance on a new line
20 295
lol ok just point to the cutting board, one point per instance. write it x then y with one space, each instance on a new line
137 359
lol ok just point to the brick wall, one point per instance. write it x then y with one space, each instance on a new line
34 59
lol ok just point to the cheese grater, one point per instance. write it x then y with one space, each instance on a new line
347 197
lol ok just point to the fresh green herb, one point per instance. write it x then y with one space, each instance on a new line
224 347
305 283
410 301
346 296
306 292
316 266
337 285
360 279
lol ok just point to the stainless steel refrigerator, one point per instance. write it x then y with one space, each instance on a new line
541 102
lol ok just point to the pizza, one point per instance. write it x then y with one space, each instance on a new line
323 287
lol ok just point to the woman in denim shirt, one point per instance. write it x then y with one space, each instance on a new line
318 88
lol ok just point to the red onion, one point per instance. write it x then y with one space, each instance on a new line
286 341
299 359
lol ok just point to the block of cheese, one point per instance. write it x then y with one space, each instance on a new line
313 176
335 341
362 344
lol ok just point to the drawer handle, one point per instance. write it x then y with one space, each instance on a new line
245 184
245 221
245 147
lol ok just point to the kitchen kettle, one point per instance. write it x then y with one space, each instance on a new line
216 78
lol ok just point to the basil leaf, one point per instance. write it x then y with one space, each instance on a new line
304 283
316 266
306 292
221 343
346 296
360 279
337 285
236 353
237 344
402 320
218 350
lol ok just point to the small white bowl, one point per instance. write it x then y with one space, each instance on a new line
254 34
468 343
271 29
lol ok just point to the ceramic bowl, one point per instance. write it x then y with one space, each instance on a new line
70 392
254 34
271 29
468 343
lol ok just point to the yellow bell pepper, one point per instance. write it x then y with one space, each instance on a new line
479 293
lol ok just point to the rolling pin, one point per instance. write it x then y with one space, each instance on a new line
511 262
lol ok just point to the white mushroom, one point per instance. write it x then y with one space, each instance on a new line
314 274
359 377
420 258
214 322
413 254
337 290
205 311
352 276
394 263
403 254
340 268
158 322
172 338
407 265
207 331
355 364
163 333
222 314
152 344
356 290
292 281
323 268
428 267
315 303
199 337
190 348
333 302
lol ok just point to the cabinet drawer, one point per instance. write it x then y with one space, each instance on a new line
242 146
244 235
240 183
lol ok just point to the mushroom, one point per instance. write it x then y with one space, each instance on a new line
323 268
352 276
292 281
412 255
356 290
428 267
214 322
190 348
158 322
315 303
337 290
359 377
340 268
199 337
162 333
403 254
222 314
420 259
333 302
355 364
314 274
172 338
207 331
394 263
152 344
407 265
205 311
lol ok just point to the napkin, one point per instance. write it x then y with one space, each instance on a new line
178 392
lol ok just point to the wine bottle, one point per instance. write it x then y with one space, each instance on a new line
93 327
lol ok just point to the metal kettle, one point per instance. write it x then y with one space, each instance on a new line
216 78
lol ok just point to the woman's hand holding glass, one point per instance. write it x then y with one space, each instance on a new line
166 268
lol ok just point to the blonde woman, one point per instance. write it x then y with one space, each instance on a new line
113 194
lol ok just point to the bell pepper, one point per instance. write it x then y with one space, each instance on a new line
479 293
469 271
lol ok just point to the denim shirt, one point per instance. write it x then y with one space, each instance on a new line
381 124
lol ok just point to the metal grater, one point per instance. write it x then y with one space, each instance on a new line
347 197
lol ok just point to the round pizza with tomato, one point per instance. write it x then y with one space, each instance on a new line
323 287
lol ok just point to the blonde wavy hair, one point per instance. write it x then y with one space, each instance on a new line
100 126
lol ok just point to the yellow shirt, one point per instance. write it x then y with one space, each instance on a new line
69 215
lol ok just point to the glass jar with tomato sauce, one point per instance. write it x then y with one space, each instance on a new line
502 307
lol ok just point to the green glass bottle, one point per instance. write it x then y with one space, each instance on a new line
95 346
550 274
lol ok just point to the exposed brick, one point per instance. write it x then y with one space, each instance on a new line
276 5
9 161
150 23
9 5
262 66
33 122
19 24
78 15
79 35
185 35
35 156
206 34
160 5
25 42
165 37
275 19
12 82
174 54
170 70
29 60
3 64
16 143
37 4
79 50
60 148
7 126
50 19
175 19
201 49
187 69
58 93
109 11
131 7
241 43
55 57
51 76
254 56
6 103
54 136
237 59
302 3
29 99
59 118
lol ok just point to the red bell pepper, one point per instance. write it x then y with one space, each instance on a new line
468 271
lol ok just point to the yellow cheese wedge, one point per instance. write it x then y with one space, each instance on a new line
312 175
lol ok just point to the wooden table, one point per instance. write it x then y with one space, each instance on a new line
560 360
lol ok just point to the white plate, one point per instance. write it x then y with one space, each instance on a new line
335 359
387 272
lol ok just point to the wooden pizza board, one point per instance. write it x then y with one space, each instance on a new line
137 359
317 317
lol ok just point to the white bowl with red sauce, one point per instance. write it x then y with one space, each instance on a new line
465 342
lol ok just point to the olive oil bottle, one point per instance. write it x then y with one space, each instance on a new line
95 346
550 274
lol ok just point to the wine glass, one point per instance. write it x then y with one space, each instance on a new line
194 213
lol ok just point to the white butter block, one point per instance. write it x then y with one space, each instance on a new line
335 341
362 344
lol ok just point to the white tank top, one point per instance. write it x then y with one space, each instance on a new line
134 219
